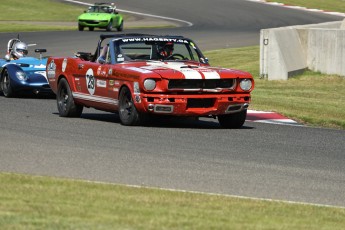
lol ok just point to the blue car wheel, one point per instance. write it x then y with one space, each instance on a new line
6 86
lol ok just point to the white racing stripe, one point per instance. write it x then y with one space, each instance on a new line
94 98
211 75
189 73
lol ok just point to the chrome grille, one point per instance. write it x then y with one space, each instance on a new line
193 84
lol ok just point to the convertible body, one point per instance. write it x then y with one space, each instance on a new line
101 15
135 82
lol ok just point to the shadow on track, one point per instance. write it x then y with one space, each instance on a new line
161 121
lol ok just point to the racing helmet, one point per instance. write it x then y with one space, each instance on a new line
20 49
165 49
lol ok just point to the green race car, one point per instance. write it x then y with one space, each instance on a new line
101 15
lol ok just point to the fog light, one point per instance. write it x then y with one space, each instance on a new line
151 107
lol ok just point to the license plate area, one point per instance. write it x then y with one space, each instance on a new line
200 102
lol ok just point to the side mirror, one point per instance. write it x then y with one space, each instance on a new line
40 51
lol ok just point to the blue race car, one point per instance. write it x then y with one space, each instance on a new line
20 74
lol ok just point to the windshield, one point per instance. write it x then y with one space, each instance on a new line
156 49
99 9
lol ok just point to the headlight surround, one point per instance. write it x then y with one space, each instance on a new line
246 84
21 76
149 84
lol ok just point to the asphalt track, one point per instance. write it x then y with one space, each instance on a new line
281 162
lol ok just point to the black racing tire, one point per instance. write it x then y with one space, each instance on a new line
80 27
5 84
91 28
120 27
65 101
128 114
109 26
232 120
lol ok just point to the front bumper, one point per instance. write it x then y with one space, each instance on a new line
192 105
93 23
34 84
34 88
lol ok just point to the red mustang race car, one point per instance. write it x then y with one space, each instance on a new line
138 75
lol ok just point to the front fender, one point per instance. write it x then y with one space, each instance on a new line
12 69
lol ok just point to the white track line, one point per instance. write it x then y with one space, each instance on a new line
298 7
211 194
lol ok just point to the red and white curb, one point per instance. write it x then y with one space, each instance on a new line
269 117
298 7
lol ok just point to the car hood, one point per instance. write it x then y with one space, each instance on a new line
28 63
94 16
182 70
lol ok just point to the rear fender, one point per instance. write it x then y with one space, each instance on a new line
55 72
59 79
69 80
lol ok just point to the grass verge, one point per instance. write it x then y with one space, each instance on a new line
40 10
29 202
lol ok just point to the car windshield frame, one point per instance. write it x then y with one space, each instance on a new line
99 9
146 49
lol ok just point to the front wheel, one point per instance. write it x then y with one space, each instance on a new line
127 112
233 120
120 27
110 26
5 84
65 101
80 27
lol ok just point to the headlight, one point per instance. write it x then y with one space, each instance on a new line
149 84
246 84
21 75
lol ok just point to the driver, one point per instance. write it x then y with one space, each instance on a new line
165 50
20 49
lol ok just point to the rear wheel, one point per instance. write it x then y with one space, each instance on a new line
127 112
65 101
233 120
5 84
